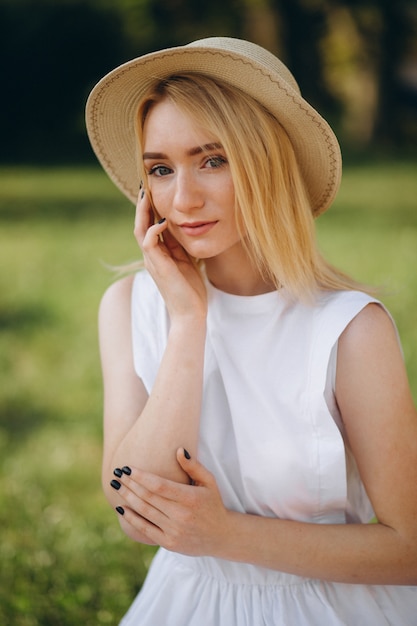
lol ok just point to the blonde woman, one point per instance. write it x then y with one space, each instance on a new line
257 413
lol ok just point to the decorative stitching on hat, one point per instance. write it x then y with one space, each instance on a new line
99 145
329 189
330 149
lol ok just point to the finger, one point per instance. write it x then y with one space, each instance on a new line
143 216
142 502
199 475
138 528
147 486
175 249
153 509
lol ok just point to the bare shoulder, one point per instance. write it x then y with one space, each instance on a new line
117 296
372 329
377 409
373 317
371 374
114 318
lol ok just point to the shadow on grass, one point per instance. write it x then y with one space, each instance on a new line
18 210
26 318
20 417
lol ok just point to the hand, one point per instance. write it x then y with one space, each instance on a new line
175 273
189 519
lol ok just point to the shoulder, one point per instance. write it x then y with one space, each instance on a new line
343 300
114 325
130 303
334 312
117 297
370 364
377 409
371 329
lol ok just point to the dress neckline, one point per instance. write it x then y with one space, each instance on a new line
245 304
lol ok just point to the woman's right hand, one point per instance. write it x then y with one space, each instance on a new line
176 274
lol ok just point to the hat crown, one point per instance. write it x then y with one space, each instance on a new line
113 103
253 53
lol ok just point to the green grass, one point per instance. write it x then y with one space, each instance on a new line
371 233
63 559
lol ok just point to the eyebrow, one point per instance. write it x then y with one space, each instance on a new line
208 147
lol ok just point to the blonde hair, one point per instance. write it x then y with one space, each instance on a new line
273 210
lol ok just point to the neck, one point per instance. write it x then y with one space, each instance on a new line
237 276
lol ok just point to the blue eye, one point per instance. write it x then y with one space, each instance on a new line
216 161
159 170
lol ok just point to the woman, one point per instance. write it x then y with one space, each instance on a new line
257 413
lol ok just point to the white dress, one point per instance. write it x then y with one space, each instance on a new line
272 436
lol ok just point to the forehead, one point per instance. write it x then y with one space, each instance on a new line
167 122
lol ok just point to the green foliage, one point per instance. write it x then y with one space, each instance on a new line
353 60
371 233
63 559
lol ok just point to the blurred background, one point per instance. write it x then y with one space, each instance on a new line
355 60
63 559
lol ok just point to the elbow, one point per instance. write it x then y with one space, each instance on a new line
112 498
411 572
407 565
109 493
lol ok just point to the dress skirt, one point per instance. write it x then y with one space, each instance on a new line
203 591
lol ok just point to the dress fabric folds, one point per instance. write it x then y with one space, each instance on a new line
271 434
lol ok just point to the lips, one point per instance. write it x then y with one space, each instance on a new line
196 229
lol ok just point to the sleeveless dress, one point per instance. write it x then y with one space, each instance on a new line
272 436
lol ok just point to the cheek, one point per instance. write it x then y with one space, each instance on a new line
160 202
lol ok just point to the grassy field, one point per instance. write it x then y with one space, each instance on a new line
63 559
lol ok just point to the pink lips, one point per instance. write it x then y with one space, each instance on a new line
195 229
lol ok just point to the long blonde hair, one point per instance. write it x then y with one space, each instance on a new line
273 210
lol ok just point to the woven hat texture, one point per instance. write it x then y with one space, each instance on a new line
112 106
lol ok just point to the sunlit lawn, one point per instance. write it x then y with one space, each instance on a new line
63 559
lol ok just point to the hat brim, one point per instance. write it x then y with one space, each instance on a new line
112 107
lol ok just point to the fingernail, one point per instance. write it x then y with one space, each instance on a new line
118 472
120 510
126 470
162 220
142 193
141 184
115 484
187 454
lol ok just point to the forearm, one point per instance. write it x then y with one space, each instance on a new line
170 418
348 553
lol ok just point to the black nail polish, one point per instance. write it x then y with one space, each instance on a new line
142 193
126 470
161 221
187 454
118 472
120 510
115 484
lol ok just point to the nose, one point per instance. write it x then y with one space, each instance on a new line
188 193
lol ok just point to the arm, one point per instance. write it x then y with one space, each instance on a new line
140 430
381 423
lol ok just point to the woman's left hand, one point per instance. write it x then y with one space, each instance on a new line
189 519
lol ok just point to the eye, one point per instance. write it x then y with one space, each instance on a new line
216 161
159 170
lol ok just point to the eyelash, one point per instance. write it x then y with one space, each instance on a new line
156 168
218 161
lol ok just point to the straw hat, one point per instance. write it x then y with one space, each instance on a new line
112 106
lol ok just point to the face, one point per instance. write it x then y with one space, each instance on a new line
190 182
